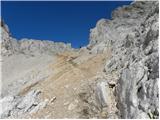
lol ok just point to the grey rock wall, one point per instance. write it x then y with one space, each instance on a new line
132 35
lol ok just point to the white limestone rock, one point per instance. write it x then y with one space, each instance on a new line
7 104
29 100
103 93
132 35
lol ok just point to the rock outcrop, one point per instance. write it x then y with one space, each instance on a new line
115 76
132 35
16 106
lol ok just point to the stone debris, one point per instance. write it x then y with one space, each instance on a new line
40 106
6 104
29 101
13 106
72 106
53 99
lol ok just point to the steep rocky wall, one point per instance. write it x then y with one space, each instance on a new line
130 76
8 44
132 35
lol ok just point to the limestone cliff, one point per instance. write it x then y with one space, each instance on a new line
132 35
115 76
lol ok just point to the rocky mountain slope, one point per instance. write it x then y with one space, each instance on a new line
115 76
30 47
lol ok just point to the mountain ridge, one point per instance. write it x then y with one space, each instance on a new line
115 76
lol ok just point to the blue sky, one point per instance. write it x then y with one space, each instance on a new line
67 22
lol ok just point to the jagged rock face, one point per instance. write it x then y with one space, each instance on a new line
125 52
10 45
132 35
38 46
21 106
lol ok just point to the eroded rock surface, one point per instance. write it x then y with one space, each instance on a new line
132 35
115 76
21 106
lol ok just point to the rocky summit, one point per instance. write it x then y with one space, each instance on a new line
115 76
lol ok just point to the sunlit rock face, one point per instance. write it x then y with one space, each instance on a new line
10 45
115 76
132 35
